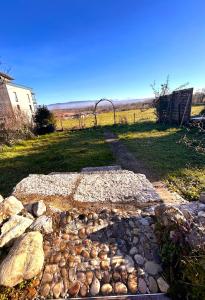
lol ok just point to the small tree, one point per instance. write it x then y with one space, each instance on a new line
44 120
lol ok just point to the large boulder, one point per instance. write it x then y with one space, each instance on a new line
13 228
24 261
9 207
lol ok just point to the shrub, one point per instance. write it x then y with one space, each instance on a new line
44 120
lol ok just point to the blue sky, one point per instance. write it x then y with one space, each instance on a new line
89 49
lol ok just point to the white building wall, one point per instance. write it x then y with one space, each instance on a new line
21 99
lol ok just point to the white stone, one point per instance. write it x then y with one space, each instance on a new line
13 228
39 208
95 287
10 206
24 261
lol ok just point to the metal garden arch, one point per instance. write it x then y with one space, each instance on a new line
95 109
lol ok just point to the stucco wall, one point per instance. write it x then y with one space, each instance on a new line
21 98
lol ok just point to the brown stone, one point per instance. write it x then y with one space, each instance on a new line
57 258
132 283
45 290
84 290
85 254
79 249
104 264
74 289
102 255
120 288
47 277
93 253
81 277
57 289
106 289
116 276
64 273
82 233
89 277
72 274
66 237
106 277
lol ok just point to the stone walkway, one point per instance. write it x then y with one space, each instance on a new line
112 252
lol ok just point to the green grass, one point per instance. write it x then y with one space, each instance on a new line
165 157
158 147
57 152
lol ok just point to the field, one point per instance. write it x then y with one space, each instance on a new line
107 118
161 149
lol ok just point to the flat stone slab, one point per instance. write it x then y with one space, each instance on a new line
47 185
118 186
115 186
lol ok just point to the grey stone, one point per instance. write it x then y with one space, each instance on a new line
152 285
142 286
43 224
13 228
144 222
133 250
39 208
139 259
47 185
201 214
152 268
202 197
163 285
115 186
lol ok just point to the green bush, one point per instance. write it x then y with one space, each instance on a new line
44 120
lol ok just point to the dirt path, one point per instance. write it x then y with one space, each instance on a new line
127 161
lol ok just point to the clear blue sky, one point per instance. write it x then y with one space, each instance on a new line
89 49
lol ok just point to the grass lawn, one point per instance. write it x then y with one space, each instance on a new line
57 152
165 157
159 148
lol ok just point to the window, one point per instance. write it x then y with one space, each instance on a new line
18 106
30 107
16 98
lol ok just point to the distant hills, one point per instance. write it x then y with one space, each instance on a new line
91 103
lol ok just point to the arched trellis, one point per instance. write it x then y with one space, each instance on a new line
95 114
